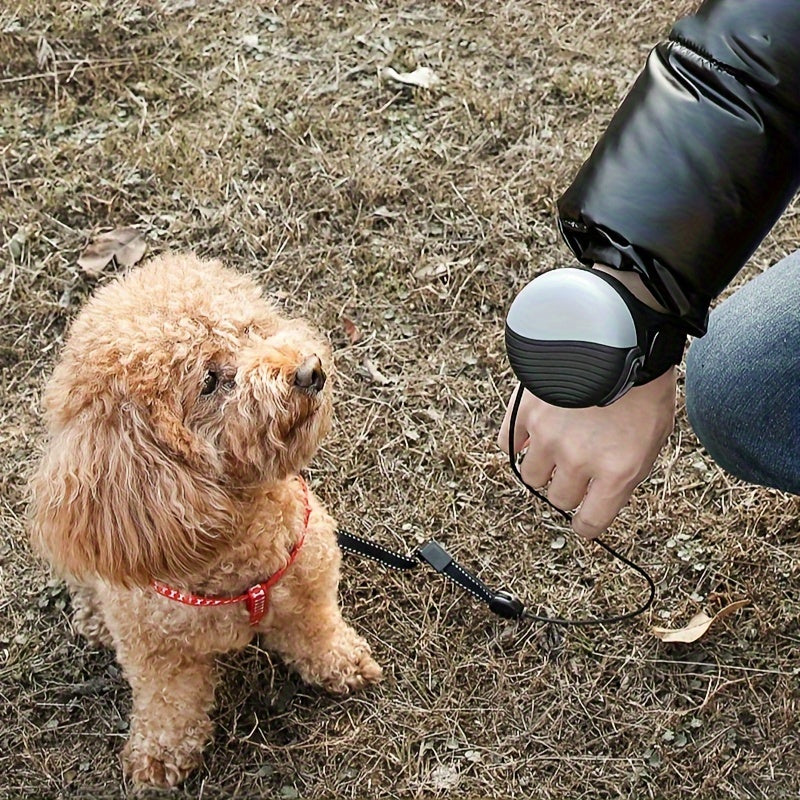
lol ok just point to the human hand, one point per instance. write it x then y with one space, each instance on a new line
593 457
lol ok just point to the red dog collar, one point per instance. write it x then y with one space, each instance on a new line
255 597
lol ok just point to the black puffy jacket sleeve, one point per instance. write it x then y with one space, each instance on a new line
701 158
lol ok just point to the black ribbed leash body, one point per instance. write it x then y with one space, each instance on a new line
503 603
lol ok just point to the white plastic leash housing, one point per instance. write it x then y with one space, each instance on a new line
572 305
572 339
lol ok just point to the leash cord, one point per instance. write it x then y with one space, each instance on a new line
512 457
503 603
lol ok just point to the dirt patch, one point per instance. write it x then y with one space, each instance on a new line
262 134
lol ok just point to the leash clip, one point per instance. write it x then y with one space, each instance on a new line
503 603
506 605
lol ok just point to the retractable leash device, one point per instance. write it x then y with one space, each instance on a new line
575 338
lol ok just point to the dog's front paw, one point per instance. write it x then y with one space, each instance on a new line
350 671
146 766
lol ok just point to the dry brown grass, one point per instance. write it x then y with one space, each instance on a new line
260 133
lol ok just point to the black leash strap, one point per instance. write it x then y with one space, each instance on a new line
503 603
361 547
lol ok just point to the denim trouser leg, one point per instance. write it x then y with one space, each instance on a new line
743 380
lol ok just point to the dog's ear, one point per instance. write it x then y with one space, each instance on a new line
111 498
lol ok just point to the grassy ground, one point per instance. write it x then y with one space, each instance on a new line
262 134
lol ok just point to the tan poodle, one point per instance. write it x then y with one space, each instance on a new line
180 413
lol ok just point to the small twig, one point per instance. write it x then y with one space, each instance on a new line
55 74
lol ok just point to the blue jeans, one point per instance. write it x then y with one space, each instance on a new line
743 380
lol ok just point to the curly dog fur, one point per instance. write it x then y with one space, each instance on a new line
177 424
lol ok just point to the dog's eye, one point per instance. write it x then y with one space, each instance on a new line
210 382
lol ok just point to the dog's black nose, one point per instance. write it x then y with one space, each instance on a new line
310 375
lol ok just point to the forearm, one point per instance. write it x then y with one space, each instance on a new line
700 159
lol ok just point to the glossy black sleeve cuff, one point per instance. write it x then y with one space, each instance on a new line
701 158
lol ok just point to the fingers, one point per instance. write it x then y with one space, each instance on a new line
537 467
567 488
593 457
603 501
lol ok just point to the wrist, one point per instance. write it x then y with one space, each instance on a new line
634 283
666 346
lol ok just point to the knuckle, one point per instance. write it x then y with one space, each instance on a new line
572 467
534 473
626 474
589 528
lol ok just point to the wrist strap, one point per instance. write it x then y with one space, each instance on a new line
661 336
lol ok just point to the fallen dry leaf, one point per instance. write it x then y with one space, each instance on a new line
351 330
444 778
697 626
374 373
432 271
127 245
385 213
424 77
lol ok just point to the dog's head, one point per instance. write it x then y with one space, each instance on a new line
180 387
